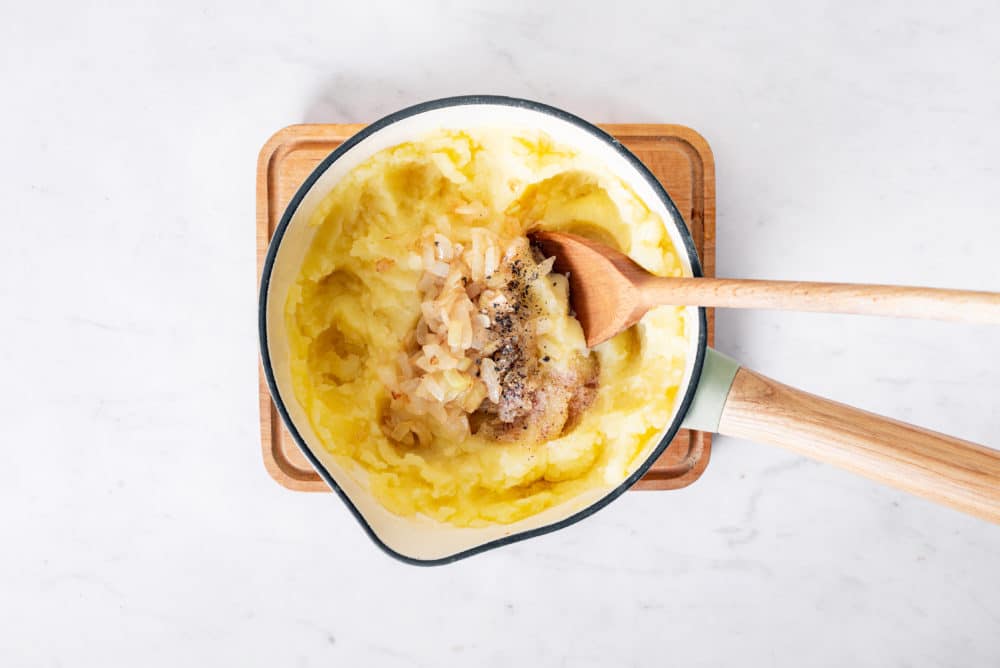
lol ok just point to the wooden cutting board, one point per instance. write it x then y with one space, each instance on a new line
678 156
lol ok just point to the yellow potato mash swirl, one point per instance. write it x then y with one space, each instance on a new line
355 302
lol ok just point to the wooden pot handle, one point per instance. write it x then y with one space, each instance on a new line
941 468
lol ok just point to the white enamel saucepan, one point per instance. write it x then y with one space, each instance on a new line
716 394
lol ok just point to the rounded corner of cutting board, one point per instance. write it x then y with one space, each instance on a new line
274 144
697 141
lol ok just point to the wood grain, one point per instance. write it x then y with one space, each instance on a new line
941 468
885 300
679 157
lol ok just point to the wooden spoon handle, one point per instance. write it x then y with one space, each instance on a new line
886 300
941 468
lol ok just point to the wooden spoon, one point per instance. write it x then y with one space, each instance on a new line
610 292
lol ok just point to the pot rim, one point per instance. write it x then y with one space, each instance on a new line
479 100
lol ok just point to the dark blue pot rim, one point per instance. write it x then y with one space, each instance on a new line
467 100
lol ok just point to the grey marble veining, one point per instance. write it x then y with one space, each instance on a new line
852 143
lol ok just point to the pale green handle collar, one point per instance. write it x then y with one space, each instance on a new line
710 395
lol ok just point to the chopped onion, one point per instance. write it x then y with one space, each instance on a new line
491 261
545 266
488 372
449 373
439 269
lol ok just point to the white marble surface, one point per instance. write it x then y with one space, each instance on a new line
138 525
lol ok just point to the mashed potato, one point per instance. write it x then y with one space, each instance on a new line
355 303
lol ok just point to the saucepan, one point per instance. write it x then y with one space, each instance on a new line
716 393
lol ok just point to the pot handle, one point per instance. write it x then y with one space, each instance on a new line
944 469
